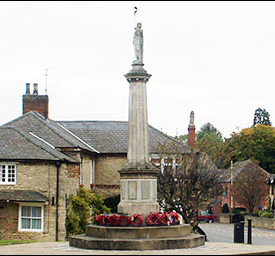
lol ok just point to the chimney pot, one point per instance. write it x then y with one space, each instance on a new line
35 88
27 88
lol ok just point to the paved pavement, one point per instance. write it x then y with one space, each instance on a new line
63 248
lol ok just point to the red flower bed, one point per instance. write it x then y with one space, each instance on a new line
153 219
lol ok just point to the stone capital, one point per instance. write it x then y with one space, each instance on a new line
137 73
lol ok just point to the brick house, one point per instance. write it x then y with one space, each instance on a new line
42 161
230 174
271 183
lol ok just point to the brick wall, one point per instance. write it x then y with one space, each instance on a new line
38 103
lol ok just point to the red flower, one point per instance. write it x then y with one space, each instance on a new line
82 185
99 219
92 185
114 220
106 220
153 218
174 218
137 220
164 218
124 220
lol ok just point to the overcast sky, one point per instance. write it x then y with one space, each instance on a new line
215 58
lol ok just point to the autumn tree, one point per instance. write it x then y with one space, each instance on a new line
188 186
257 142
250 186
261 116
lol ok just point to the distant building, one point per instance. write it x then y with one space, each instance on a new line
228 178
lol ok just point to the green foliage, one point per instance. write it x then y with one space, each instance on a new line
7 242
225 208
266 214
98 206
261 116
210 141
207 129
112 202
81 207
182 138
257 142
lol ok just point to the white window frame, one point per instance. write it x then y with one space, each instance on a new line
6 182
20 229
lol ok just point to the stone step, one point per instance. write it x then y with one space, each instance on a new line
93 243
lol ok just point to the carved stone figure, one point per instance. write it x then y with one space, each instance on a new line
138 44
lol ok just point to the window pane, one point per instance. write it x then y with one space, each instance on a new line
36 211
26 211
26 223
11 173
3 175
36 224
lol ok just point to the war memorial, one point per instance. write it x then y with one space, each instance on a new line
138 193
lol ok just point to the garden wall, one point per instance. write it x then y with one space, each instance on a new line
257 222
260 222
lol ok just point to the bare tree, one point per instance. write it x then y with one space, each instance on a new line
250 186
189 184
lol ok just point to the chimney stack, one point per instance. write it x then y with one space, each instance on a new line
191 131
35 102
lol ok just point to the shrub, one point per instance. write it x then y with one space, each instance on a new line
225 208
266 214
81 207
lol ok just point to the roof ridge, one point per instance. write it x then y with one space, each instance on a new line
54 129
54 152
82 141
40 118
90 121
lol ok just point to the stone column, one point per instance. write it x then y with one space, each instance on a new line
138 176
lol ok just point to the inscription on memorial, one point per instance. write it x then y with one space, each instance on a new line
132 190
145 190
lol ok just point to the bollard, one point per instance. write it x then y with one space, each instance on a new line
239 232
249 231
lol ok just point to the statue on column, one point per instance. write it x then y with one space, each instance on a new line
138 44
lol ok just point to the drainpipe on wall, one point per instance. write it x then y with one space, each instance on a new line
57 197
81 170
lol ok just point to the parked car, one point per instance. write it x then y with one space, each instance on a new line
208 217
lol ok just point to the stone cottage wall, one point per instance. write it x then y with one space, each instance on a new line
107 175
40 177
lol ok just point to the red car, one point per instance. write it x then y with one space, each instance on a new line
205 216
